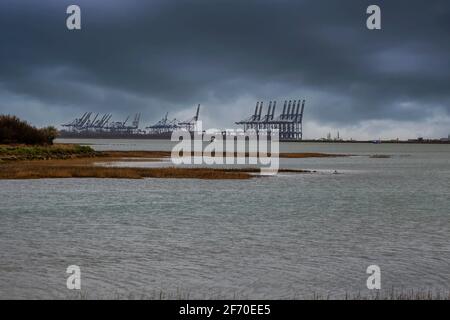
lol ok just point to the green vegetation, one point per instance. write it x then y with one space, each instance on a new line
15 131
23 152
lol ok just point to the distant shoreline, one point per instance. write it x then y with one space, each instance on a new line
144 137
379 141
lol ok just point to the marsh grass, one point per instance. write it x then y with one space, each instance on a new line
84 168
30 152
70 151
74 161
67 151
37 171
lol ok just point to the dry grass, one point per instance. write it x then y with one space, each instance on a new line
70 151
39 171
72 161
84 168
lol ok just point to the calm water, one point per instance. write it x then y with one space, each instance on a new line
286 236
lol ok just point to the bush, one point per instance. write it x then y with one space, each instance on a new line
14 130
49 133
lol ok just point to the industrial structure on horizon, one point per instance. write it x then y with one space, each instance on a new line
168 126
289 122
85 123
89 126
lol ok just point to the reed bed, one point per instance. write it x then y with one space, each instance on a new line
36 171
74 161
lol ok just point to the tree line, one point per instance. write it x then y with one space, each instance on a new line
16 131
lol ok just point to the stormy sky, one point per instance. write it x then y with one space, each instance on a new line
153 56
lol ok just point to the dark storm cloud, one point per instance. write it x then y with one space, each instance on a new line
168 55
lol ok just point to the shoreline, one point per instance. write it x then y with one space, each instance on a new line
375 141
74 161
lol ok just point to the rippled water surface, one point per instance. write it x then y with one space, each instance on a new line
287 236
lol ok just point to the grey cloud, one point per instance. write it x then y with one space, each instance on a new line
154 56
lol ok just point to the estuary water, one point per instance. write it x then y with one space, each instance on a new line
287 236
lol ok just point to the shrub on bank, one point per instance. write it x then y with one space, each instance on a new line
16 131
40 152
